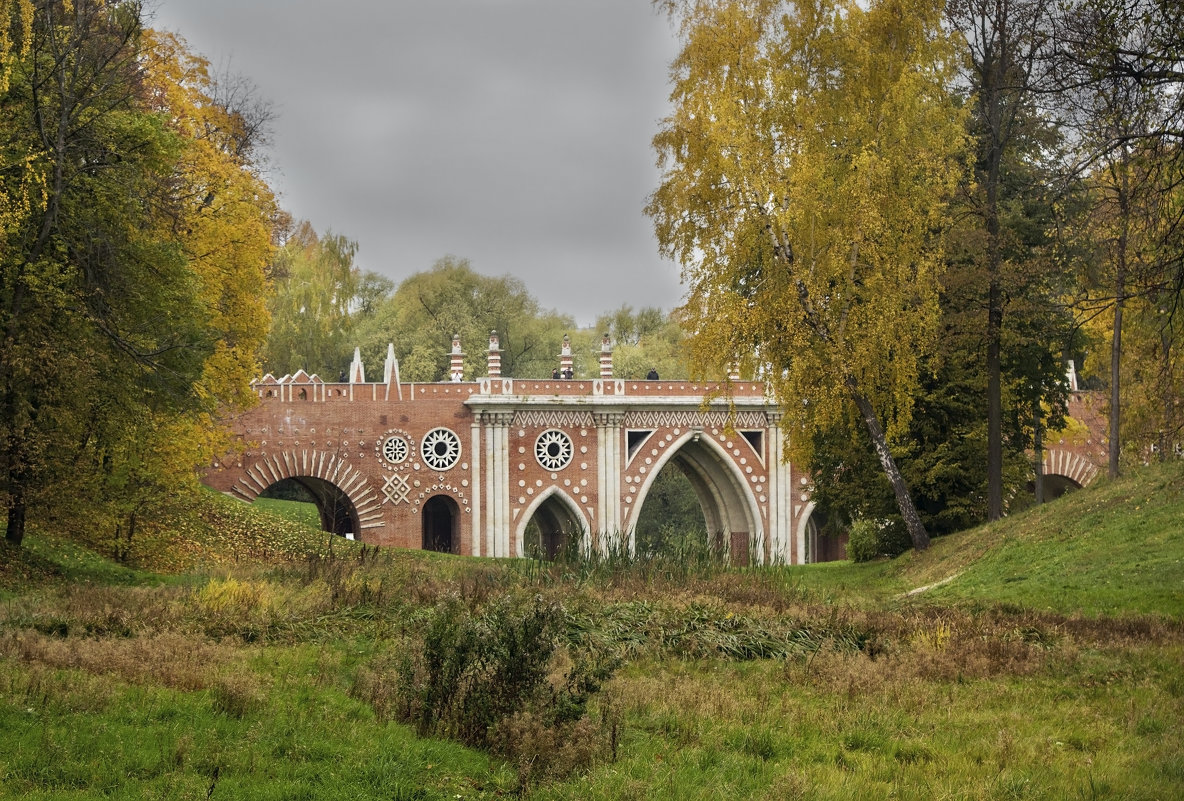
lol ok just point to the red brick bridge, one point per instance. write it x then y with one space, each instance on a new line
500 466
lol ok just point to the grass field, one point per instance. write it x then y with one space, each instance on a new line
241 657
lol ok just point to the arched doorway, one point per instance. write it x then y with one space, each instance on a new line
553 525
729 509
336 511
441 525
824 540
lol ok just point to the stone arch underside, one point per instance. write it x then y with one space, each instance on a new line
559 522
345 500
1065 470
729 508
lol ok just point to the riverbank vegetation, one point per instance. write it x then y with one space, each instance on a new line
256 657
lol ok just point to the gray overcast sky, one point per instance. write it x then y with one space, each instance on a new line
513 133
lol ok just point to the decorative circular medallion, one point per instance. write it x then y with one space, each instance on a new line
394 449
553 449
440 449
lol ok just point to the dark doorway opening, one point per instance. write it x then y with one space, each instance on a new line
441 525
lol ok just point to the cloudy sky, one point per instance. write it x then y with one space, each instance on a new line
513 133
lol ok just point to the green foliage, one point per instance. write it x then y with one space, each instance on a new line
863 540
315 289
642 340
483 679
126 320
429 307
671 519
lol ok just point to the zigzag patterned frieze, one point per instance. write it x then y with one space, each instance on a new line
685 419
553 418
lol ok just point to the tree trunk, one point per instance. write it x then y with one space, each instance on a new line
1120 268
994 402
1038 447
15 534
904 501
1116 376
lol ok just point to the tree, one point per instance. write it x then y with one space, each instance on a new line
1119 71
642 340
1006 41
312 304
429 307
134 240
807 164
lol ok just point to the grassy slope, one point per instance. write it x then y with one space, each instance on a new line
1116 548
115 683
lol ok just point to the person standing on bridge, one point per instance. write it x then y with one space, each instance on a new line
652 375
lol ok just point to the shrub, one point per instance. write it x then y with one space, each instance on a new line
863 541
869 539
497 680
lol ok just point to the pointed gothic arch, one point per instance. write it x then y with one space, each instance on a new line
560 523
729 507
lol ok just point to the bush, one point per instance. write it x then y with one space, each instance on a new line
497 680
863 541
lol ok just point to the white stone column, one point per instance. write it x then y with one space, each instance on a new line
497 482
780 494
609 462
477 518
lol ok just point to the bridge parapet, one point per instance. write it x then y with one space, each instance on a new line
289 391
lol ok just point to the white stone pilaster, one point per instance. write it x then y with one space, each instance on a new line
477 518
609 466
497 483
780 499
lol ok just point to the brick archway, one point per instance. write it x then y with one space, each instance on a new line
730 510
344 496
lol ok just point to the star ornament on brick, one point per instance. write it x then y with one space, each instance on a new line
396 489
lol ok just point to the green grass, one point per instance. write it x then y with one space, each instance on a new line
296 511
1117 548
1049 667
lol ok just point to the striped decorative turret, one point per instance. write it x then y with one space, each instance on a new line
495 356
606 358
565 360
456 369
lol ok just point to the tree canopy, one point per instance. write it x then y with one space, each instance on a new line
134 232
807 164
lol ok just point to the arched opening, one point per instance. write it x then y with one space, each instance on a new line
441 524
1054 486
552 528
335 511
825 541
729 510
672 520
